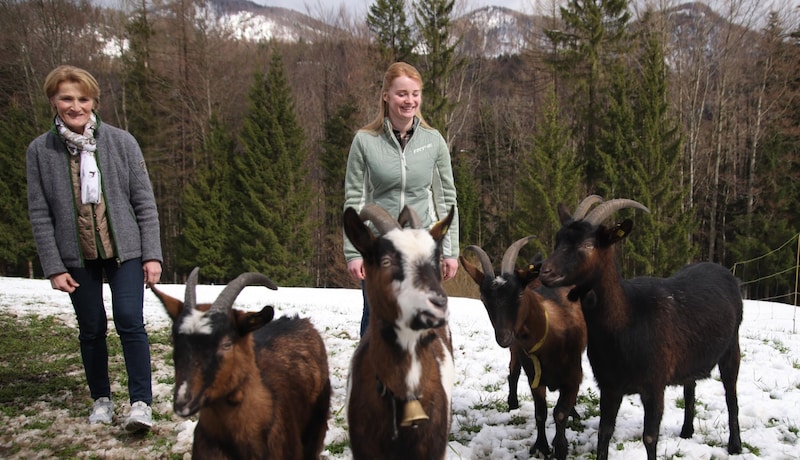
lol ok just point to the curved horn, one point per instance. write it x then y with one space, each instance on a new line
408 216
190 299
583 207
379 217
225 298
483 258
510 257
605 209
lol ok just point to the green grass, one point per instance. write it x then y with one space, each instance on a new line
44 398
40 362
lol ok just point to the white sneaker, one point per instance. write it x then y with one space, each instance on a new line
139 418
102 411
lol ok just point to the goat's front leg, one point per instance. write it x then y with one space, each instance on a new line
688 410
540 404
514 370
610 400
565 406
653 411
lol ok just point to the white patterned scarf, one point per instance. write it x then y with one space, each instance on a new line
85 145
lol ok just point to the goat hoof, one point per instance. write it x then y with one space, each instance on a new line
539 450
513 404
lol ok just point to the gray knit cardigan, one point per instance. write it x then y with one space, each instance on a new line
128 194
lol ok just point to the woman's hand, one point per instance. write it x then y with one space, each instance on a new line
356 269
64 282
152 271
449 269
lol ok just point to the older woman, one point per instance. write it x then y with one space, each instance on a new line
93 213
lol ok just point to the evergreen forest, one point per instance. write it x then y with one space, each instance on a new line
690 109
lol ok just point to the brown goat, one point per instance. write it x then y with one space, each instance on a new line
646 333
545 331
261 387
402 373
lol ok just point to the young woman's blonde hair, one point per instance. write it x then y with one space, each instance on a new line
398 69
64 73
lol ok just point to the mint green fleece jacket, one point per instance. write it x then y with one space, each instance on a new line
420 176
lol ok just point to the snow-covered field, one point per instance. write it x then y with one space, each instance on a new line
769 381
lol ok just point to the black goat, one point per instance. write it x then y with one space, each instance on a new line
545 331
261 387
646 333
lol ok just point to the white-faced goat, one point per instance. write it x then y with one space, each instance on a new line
646 333
261 387
545 330
402 373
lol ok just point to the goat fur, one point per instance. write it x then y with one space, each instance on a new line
646 333
528 316
406 353
260 387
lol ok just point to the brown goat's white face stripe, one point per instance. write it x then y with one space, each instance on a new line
196 322
419 283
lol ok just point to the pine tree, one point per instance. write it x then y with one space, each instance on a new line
549 175
439 60
640 149
17 248
144 113
205 239
594 35
339 130
668 246
272 230
387 20
469 200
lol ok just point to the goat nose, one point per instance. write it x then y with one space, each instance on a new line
439 301
504 338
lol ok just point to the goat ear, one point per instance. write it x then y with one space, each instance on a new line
441 227
617 232
247 322
528 274
473 272
357 232
173 306
563 213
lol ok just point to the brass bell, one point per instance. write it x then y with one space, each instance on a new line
413 413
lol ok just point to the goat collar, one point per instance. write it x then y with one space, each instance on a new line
537 365
413 413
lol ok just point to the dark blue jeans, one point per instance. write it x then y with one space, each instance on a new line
365 312
127 299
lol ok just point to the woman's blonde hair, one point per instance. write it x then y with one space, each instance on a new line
84 79
398 69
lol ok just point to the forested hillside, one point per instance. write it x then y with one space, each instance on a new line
691 109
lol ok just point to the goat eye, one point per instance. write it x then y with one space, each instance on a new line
386 262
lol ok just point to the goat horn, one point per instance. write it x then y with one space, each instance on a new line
189 299
225 298
605 209
379 217
486 264
510 257
583 207
408 216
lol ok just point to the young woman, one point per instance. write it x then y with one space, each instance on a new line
397 160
